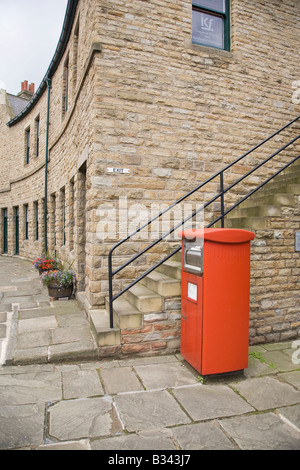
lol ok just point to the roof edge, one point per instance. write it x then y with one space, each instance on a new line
60 50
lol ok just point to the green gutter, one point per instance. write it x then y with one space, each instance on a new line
48 81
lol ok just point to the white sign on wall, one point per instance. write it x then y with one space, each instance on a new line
121 171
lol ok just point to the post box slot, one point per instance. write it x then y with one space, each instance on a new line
193 257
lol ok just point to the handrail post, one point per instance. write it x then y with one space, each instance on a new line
222 198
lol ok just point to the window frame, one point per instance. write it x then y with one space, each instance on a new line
196 6
17 229
37 135
26 221
5 231
27 146
36 217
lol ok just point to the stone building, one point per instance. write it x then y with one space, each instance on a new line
142 102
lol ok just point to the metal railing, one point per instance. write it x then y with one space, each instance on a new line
220 195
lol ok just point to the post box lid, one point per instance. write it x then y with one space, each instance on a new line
219 235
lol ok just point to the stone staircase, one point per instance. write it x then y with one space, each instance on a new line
151 294
145 298
267 202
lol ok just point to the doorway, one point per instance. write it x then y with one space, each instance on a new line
17 238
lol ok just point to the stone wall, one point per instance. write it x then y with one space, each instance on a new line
174 113
275 274
141 96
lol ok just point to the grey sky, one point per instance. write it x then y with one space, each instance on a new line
29 33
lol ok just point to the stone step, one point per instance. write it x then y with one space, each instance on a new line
162 284
248 223
290 177
144 299
295 168
280 199
104 335
293 189
282 187
125 314
257 211
171 269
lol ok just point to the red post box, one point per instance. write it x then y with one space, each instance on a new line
215 299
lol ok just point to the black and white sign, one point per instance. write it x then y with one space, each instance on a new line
122 171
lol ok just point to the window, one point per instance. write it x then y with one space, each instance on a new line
26 222
53 220
211 23
63 214
27 145
37 136
71 214
16 219
36 216
5 231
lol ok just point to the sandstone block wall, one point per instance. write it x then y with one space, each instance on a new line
142 97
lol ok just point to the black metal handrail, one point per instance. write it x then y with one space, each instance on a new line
221 194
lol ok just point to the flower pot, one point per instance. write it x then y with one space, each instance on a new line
57 292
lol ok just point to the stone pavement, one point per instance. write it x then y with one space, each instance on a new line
56 397
33 329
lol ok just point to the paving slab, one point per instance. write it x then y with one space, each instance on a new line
149 410
202 436
21 426
36 313
291 414
157 376
81 384
257 368
147 440
2 331
7 288
3 317
281 360
31 355
71 334
5 307
71 319
211 401
33 339
292 378
35 324
30 388
120 379
87 417
83 444
265 393
264 431
72 351
19 300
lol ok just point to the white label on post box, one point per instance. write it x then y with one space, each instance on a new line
192 291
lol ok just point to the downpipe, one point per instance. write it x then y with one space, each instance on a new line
48 81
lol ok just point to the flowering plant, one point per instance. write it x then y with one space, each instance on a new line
64 278
45 263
